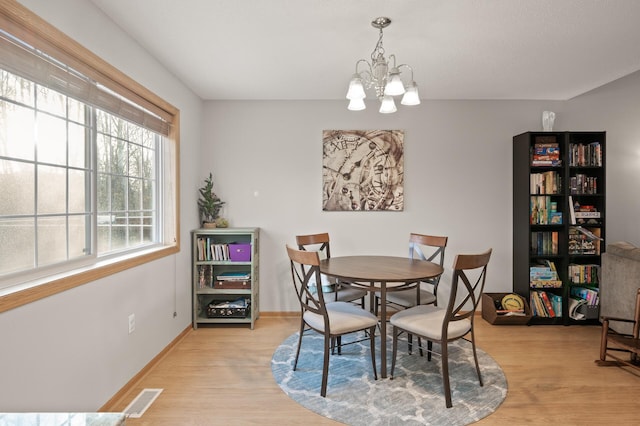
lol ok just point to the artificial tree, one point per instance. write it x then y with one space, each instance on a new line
209 204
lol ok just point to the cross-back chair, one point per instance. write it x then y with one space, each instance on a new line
341 292
331 320
424 247
615 345
444 324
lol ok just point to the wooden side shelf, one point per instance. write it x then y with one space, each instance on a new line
220 252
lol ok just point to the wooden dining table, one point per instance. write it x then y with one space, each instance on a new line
381 274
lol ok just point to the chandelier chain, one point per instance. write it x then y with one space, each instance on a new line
379 49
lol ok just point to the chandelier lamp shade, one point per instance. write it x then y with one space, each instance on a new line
384 76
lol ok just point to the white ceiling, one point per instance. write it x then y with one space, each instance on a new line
459 49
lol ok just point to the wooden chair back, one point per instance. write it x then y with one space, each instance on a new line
419 243
469 277
319 241
305 269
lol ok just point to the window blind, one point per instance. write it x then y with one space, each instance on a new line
28 56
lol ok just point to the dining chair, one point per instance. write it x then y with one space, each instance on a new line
332 320
341 292
446 324
424 247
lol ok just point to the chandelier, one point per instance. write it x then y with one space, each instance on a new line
384 77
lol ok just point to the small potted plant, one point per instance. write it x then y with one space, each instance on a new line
209 205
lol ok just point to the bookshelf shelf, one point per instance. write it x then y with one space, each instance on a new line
558 221
225 276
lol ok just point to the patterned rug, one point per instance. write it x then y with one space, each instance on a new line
414 396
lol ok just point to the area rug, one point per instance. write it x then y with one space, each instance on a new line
414 396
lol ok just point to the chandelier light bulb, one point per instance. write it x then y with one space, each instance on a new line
388 105
356 89
394 86
411 96
356 105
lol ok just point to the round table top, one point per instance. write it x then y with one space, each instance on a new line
379 268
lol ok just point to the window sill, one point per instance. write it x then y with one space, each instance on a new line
22 294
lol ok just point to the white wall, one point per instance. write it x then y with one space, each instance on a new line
615 108
266 158
457 179
72 351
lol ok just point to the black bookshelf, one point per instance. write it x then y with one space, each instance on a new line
568 167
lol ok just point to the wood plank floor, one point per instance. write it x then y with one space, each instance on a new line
222 376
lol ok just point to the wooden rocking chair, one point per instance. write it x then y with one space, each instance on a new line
613 344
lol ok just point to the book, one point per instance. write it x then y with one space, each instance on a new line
572 212
542 273
233 276
574 304
547 304
589 234
546 163
584 273
544 276
583 241
536 301
544 151
587 215
585 154
545 283
540 208
511 312
583 184
556 218
591 295
545 183
556 302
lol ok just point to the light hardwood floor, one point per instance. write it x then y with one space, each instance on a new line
222 376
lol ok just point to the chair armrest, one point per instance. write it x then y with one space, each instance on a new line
617 319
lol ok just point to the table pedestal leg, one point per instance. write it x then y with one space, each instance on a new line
383 330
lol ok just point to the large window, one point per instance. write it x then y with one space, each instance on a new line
87 160
51 148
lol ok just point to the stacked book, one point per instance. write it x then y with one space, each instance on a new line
546 304
590 294
586 214
584 241
546 154
233 276
544 276
547 182
584 274
233 281
585 154
544 243
208 250
543 211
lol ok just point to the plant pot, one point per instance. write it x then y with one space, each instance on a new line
208 224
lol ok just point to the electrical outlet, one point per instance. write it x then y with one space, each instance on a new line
132 323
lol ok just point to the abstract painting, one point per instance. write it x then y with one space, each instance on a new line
363 170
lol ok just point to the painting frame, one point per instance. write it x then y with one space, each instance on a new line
363 170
